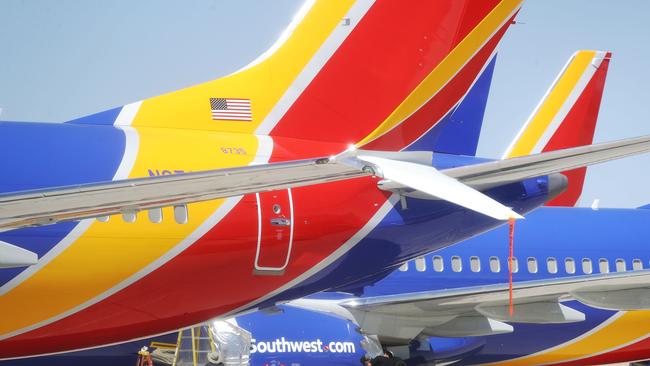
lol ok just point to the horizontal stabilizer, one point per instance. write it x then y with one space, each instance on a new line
127 197
429 180
97 200
498 172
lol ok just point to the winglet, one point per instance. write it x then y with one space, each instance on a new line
566 116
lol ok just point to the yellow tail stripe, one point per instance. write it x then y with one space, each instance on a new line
109 253
447 68
264 83
552 105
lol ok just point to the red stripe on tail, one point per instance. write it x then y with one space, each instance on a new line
577 129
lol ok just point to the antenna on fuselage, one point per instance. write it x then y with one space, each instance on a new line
596 204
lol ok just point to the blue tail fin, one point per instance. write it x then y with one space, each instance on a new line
458 132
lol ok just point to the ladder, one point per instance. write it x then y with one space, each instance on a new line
194 346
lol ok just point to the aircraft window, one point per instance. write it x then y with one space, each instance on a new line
569 265
456 264
420 264
438 264
603 265
637 264
404 267
475 264
515 265
532 265
495 264
620 265
586 266
551 265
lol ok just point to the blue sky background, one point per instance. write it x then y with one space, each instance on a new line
64 59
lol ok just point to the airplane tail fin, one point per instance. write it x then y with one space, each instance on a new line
377 74
566 116
459 130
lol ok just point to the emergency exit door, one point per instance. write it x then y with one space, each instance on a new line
274 231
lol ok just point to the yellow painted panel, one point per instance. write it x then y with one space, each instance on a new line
630 326
109 253
551 106
263 83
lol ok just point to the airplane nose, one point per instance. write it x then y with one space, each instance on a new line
557 183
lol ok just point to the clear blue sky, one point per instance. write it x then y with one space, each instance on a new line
67 58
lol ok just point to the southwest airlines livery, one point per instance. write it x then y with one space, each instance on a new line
581 287
580 299
309 169
448 306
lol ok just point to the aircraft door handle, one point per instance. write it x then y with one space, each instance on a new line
280 221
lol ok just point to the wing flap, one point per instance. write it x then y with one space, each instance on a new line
469 326
541 312
614 297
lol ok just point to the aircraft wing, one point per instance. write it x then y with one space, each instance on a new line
499 172
46 206
410 169
484 310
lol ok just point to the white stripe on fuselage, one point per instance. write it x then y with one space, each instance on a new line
265 148
220 213
125 117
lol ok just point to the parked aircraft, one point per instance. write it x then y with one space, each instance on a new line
272 203
565 312
449 300
579 300
463 126
443 287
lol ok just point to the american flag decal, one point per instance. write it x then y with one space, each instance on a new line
232 109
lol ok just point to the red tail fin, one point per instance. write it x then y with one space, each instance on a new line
566 117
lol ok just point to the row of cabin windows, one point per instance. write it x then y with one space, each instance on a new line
552 266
